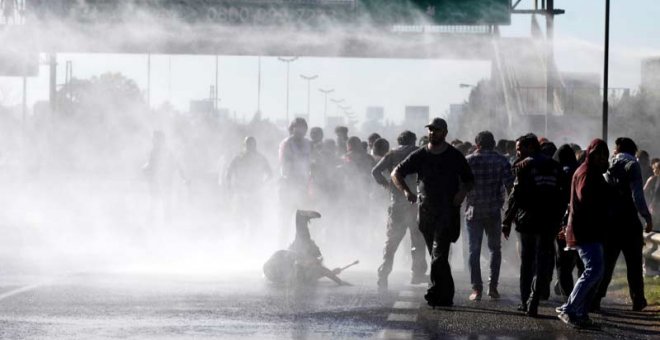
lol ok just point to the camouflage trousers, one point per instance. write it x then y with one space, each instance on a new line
402 217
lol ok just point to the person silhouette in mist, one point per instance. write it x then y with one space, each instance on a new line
244 179
295 154
302 262
9 9
160 171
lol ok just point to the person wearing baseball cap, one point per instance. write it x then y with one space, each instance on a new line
443 180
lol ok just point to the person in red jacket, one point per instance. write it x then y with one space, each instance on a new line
590 197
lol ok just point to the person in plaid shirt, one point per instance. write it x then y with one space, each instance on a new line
483 210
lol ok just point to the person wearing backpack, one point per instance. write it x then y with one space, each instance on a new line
625 177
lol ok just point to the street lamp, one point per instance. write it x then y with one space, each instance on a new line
325 107
309 81
288 61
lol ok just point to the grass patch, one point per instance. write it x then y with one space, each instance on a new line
619 286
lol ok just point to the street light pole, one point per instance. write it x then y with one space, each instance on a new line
215 89
325 107
606 71
288 61
149 80
309 81
259 86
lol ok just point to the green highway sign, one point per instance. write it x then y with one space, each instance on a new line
438 12
257 13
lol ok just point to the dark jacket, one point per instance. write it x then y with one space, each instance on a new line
625 177
535 204
591 197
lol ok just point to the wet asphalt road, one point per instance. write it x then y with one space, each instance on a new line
245 306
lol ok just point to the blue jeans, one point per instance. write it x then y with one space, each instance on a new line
492 227
587 285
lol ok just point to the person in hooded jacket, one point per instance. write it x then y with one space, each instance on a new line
590 196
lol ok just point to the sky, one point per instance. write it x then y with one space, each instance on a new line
390 83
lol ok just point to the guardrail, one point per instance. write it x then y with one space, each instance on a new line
652 251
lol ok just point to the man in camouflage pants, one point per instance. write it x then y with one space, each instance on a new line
402 215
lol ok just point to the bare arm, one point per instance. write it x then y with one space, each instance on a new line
377 172
399 182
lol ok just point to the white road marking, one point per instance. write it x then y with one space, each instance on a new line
395 334
402 317
407 294
406 305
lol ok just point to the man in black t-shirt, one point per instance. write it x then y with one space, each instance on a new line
443 179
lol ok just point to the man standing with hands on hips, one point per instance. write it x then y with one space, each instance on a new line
443 180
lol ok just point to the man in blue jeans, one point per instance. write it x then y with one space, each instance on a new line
483 210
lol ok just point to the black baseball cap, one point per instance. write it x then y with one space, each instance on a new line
437 123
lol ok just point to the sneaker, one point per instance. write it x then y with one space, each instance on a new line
419 279
493 293
565 318
575 322
522 307
476 295
559 309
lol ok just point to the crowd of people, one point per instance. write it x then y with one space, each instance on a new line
571 208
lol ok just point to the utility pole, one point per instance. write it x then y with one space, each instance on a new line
309 82
288 61
24 114
325 107
149 81
550 76
606 71
52 84
259 85
215 93
169 79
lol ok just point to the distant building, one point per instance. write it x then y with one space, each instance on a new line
651 75
581 94
456 112
415 118
334 121
375 113
374 120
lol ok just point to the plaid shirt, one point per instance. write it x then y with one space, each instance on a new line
492 174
